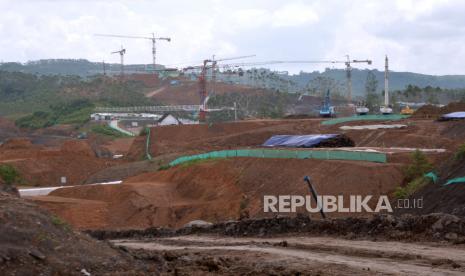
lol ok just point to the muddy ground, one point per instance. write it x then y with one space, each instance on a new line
297 255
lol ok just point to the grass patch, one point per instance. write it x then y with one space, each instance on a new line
164 167
60 223
76 112
108 131
460 154
9 174
411 187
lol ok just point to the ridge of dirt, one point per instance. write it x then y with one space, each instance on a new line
411 228
32 242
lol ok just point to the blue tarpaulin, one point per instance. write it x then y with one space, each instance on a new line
454 115
297 141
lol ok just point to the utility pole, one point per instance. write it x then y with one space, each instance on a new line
104 69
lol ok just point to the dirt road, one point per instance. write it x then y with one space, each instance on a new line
323 255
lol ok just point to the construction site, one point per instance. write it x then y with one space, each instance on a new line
225 166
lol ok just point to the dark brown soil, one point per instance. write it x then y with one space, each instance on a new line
32 242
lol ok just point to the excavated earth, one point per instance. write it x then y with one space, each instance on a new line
218 190
40 165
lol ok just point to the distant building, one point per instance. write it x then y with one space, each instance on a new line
168 119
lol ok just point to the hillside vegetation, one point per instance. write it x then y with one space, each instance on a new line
64 99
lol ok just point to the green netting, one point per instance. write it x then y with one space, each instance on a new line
319 154
433 176
391 117
456 180
304 154
287 154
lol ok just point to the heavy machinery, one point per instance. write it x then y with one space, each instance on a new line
327 110
362 109
153 39
212 65
407 110
386 109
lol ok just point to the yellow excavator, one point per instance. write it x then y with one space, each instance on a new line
407 111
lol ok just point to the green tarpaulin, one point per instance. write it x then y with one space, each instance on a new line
455 180
287 154
391 117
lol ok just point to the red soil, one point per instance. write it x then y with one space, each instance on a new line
42 166
215 190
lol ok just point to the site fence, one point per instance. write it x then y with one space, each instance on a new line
390 117
287 154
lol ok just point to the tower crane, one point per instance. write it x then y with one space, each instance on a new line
121 54
213 64
386 110
152 38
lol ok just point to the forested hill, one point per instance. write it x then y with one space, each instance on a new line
79 67
397 80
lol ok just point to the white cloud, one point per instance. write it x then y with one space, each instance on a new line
424 36
294 15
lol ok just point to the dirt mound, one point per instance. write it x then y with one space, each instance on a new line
77 147
149 80
431 111
17 143
219 190
44 166
439 198
453 107
427 111
419 133
8 129
32 242
188 92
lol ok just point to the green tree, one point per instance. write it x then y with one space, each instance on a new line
419 166
9 174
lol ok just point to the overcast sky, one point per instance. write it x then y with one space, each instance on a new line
425 36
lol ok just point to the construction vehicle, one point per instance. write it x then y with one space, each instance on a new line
407 110
386 109
327 110
212 65
362 109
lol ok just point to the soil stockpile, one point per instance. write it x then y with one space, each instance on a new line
32 242
431 111
218 190
44 166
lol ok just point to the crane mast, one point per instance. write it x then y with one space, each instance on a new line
121 54
213 65
152 38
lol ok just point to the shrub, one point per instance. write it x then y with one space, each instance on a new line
9 174
108 131
419 166
460 154
411 187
